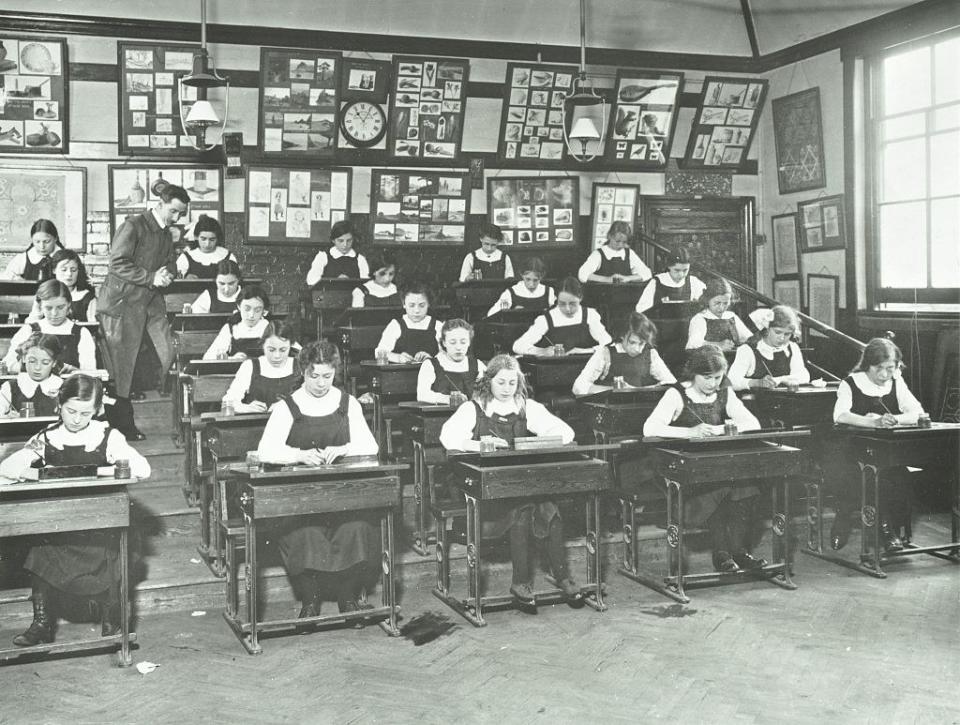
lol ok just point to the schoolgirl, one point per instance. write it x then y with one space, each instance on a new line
489 260
224 295
34 262
241 337
454 369
380 291
37 383
69 269
772 358
614 261
529 293
261 382
412 337
202 262
578 329
715 322
670 293
341 259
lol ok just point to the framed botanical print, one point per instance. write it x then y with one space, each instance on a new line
643 117
419 208
785 256
537 212
788 291
823 295
49 192
822 224
798 137
34 85
611 203
531 126
295 206
725 122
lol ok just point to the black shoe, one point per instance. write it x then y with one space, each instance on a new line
748 562
724 563
134 434
891 542
40 630
137 395
840 531
109 620
309 609
523 593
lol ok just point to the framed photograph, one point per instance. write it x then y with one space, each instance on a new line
299 106
51 192
364 79
34 83
823 295
725 122
295 206
788 291
643 117
419 208
131 190
785 257
531 126
536 212
612 202
822 224
798 137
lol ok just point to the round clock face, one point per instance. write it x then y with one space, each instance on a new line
363 123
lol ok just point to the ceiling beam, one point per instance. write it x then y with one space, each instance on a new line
750 27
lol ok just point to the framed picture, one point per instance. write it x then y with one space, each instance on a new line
611 203
798 137
536 212
725 122
427 107
788 291
822 224
785 256
150 99
51 192
299 105
823 295
132 192
364 79
643 117
531 128
420 208
34 84
295 206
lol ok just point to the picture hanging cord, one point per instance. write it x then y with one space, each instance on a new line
793 75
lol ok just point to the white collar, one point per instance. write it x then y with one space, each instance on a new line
219 253
521 289
335 253
869 387
378 290
710 316
424 324
492 257
249 332
49 387
236 295
667 280
501 408
619 348
64 328
90 437
610 254
156 215
34 256
768 351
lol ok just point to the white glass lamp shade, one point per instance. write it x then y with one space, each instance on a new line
583 129
202 114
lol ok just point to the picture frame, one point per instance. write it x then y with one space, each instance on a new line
364 79
786 257
535 212
35 82
822 224
531 125
823 299
419 208
643 117
295 206
130 189
787 290
299 103
49 192
610 203
798 139
725 122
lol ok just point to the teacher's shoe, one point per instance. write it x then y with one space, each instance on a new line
134 434
840 531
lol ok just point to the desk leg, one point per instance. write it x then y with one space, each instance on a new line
781 539
125 659
378 422
443 558
628 514
474 595
675 537
870 518
251 641
592 541
420 476
388 591
955 517
814 516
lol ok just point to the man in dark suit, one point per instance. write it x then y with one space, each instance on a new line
130 306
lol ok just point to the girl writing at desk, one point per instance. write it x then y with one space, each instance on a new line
669 293
501 412
453 370
84 564
341 259
263 381
380 291
614 262
715 322
529 293
68 268
36 383
773 358
490 261
697 408
330 555
34 262
412 337
241 338
567 328
224 294
202 262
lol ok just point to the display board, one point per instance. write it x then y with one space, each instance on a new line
612 203
427 107
423 208
295 206
34 117
725 122
643 117
535 211
531 126
49 192
299 102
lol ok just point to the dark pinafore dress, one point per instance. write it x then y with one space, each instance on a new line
490 270
326 542
446 381
370 300
499 516
530 303
778 367
342 266
84 563
719 330
634 370
221 306
43 404
667 299
78 308
610 266
249 346
412 341
41 271
698 508
270 390
200 270
69 344
570 336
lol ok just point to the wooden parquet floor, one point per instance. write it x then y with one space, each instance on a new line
843 648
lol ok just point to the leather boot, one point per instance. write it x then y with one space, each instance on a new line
309 588
719 527
40 630
109 613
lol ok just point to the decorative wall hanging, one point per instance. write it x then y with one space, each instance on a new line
611 203
28 194
420 208
798 137
149 104
785 258
295 206
725 122
532 125
535 211
822 224
427 107
823 295
132 192
364 79
299 102
787 291
33 95
643 117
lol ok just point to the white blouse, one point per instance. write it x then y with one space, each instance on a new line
241 381
659 423
323 258
526 343
358 299
466 269
505 301
86 348
28 386
18 264
206 258
592 264
647 301
457 432
744 365
201 305
241 331
910 407
391 333
75 294
597 366
427 376
697 330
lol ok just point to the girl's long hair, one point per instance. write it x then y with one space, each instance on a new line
483 394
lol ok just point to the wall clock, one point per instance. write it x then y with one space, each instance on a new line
363 123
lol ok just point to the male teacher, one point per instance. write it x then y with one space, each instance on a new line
130 306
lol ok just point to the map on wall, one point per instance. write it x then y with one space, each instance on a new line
535 211
532 125
28 194
725 122
419 207
295 206
33 95
298 102
643 117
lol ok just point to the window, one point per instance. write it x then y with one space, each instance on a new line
915 184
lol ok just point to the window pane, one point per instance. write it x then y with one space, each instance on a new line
903 241
945 163
904 170
947 60
906 81
912 125
946 118
945 242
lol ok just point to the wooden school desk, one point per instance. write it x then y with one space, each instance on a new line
476 296
613 301
390 383
522 475
78 504
354 484
551 379
197 394
183 398
496 334
16 430
687 465
878 449
17 298
330 297
185 291
781 407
